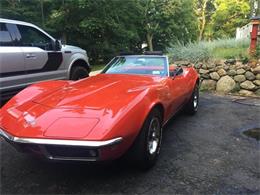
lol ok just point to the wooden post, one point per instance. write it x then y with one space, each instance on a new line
253 44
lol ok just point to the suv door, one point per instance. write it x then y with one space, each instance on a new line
42 62
12 67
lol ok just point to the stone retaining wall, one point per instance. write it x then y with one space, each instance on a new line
230 76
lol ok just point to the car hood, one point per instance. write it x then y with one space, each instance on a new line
101 91
101 101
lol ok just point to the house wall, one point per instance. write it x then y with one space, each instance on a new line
244 32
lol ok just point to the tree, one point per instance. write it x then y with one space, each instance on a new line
204 10
64 19
110 26
167 21
255 7
228 16
21 10
105 27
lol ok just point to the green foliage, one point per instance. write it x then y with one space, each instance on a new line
258 50
191 52
204 9
102 27
21 10
228 16
167 21
99 26
97 67
203 51
106 27
183 24
220 18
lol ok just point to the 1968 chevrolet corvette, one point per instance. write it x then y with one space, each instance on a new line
118 112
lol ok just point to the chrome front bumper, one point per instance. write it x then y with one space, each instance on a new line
44 144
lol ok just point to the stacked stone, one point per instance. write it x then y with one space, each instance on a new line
230 76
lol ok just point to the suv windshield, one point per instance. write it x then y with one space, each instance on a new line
144 65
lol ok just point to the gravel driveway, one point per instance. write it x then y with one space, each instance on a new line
205 154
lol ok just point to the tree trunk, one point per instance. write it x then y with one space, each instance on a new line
149 39
42 13
203 20
64 38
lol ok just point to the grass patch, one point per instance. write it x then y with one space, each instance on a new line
97 67
205 50
226 53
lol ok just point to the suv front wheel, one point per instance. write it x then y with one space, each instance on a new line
78 72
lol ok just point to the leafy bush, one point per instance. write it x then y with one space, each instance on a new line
258 50
203 51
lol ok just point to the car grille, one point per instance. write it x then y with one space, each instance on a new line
71 152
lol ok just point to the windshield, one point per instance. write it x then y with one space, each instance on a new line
144 65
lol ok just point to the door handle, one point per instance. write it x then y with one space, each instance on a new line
30 55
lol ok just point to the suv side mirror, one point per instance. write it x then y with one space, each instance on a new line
57 45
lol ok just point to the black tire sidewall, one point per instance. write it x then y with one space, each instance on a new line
140 152
189 108
78 72
153 157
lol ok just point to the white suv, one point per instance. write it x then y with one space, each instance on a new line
29 55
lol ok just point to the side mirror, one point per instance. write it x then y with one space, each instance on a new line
57 45
176 72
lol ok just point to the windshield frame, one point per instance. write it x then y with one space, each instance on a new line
149 56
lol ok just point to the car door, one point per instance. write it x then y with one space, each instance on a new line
12 67
42 62
179 90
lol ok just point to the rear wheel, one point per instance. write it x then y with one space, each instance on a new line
192 106
78 72
146 148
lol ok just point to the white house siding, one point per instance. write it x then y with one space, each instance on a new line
244 32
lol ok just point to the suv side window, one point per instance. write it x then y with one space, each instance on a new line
32 37
5 37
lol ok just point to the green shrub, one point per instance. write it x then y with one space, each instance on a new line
203 51
258 50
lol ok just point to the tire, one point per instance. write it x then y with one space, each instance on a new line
78 72
146 148
192 106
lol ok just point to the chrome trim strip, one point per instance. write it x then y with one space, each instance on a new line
168 66
72 159
94 144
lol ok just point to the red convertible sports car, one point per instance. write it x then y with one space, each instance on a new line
118 112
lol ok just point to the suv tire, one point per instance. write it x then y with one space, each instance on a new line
78 72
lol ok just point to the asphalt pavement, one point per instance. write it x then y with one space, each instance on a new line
202 154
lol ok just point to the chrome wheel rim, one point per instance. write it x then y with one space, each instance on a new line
195 99
154 135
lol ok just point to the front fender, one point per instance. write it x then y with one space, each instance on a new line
32 91
129 121
75 57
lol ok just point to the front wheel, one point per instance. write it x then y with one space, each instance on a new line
192 105
78 72
146 148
